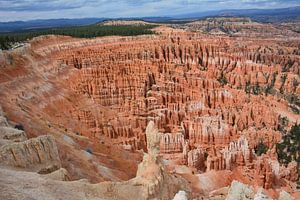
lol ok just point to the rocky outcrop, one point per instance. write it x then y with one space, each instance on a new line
151 173
153 139
196 158
59 175
36 153
219 194
3 121
289 172
172 143
12 134
151 182
292 172
260 195
240 191
264 175
285 196
236 154
234 26
181 195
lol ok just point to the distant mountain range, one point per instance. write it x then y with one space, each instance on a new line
47 23
261 15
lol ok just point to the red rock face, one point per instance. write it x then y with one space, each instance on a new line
263 173
207 95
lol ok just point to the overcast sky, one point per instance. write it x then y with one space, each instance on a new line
11 10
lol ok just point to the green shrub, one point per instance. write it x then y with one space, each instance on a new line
283 122
260 149
288 150
283 79
222 79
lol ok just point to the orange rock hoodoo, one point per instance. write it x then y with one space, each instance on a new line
194 88
173 80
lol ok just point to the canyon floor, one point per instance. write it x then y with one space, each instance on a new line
202 110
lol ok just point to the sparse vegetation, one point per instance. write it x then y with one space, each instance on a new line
19 126
294 102
256 89
7 40
270 88
222 79
205 155
248 88
89 150
77 133
297 51
295 83
287 67
283 122
283 79
293 99
260 149
253 89
289 149
295 109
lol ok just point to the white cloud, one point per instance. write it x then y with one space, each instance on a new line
45 9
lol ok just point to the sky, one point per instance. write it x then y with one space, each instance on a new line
15 10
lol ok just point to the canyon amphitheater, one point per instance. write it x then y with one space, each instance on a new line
180 114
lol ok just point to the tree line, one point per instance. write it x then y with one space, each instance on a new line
7 40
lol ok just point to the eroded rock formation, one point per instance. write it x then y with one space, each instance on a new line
38 154
151 172
31 153
240 191
151 182
213 99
